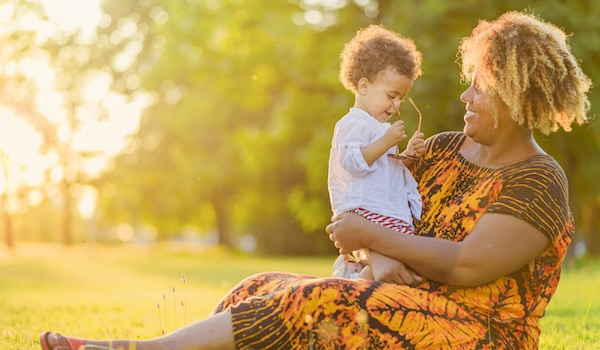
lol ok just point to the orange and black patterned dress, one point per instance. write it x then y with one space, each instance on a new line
289 311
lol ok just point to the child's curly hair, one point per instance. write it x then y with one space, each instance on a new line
527 64
375 49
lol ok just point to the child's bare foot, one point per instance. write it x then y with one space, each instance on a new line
367 273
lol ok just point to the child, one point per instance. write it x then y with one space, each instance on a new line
365 176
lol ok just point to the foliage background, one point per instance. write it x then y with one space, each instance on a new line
244 95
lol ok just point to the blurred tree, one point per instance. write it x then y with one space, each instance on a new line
437 28
39 56
246 95
578 151
70 61
16 88
222 87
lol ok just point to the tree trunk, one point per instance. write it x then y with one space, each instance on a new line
67 236
8 232
592 241
222 222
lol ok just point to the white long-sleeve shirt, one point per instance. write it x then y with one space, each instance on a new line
385 187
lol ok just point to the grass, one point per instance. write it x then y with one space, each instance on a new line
103 292
572 319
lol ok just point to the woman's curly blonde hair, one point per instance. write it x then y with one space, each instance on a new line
527 65
375 49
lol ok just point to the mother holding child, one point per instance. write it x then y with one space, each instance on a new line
485 257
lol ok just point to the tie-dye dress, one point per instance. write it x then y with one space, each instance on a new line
288 311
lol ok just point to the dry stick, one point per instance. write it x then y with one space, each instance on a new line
398 145
418 111
420 121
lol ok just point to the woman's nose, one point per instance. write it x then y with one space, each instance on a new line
465 95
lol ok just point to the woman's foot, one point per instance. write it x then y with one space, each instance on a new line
55 341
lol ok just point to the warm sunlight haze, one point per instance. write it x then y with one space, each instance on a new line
105 137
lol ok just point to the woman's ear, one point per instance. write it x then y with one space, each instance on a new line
363 86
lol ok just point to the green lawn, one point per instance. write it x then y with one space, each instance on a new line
104 292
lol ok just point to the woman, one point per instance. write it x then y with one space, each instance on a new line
486 256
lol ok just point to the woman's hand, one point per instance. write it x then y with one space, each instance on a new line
386 269
347 232
350 232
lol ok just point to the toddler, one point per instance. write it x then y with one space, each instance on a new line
366 176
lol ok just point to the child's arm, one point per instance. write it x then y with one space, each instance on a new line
394 135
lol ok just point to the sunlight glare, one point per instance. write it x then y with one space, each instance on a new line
71 15
87 203
106 121
18 139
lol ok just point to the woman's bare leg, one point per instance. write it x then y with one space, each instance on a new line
215 332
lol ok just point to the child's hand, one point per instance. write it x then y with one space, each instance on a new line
395 134
416 145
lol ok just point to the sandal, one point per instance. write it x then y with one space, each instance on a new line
73 343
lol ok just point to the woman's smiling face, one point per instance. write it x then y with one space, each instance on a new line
479 117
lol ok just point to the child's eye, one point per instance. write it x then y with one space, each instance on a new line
393 99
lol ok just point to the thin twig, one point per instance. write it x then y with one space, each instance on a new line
398 145
418 129
418 111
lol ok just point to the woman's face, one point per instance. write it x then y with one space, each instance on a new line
382 97
479 118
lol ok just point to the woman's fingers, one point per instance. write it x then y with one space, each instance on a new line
329 228
343 232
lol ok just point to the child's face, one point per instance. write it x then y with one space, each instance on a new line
381 98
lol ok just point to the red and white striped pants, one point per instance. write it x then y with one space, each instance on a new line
395 224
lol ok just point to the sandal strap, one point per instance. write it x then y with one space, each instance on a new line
73 343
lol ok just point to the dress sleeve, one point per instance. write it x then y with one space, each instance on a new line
436 148
536 191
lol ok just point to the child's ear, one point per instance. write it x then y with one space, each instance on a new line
363 85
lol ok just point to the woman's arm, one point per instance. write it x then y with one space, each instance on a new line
498 245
